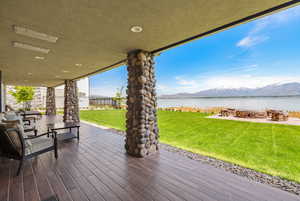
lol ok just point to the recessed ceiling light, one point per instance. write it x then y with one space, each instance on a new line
78 65
65 71
34 34
39 58
29 73
30 47
136 29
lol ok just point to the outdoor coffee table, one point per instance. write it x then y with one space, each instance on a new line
66 129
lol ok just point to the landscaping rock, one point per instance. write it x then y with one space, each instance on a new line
250 114
250 174
274 181
279 116
228 112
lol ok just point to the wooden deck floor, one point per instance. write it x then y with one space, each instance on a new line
97 169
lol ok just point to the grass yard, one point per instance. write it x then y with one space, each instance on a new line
269 148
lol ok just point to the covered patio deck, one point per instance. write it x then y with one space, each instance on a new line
98 168
51 43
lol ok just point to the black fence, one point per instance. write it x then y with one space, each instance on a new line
104 102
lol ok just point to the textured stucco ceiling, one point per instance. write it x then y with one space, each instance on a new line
96 33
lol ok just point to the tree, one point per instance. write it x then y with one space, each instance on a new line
23 95
118 97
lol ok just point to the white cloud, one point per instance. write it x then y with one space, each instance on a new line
255 36
276 19
193 84
186 85
246 81
229 71
161 87
250 41
164 89
223 81
249 68
185 82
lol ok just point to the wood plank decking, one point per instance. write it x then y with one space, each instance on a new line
97 169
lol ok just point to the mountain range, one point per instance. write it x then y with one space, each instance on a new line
286 89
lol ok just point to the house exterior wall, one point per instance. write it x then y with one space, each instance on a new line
83 94
39 100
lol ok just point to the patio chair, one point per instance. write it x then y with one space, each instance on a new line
9 108
26 119
14 144
14 117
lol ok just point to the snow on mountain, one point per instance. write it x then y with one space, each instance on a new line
277 89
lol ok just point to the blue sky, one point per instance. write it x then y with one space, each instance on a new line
262 52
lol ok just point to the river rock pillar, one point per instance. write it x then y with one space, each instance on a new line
141 121
50 101
71 107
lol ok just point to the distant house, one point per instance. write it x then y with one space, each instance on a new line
39 100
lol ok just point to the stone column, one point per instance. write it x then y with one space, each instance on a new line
141 122
50 101
71 107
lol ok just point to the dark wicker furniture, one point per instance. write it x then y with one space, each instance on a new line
27 127
14 144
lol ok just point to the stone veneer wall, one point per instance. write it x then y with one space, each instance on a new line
141 122
50 101
71 107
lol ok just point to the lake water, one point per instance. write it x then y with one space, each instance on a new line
291 103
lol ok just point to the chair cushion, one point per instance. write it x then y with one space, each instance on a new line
37 144
10 141
2 116
28 147
11 116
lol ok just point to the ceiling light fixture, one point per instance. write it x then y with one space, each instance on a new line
136 29
78 65
65 71
30 47
39 58
34 34
29 73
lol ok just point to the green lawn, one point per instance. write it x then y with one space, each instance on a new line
269 148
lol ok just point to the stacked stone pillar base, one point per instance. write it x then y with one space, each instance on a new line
141 121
